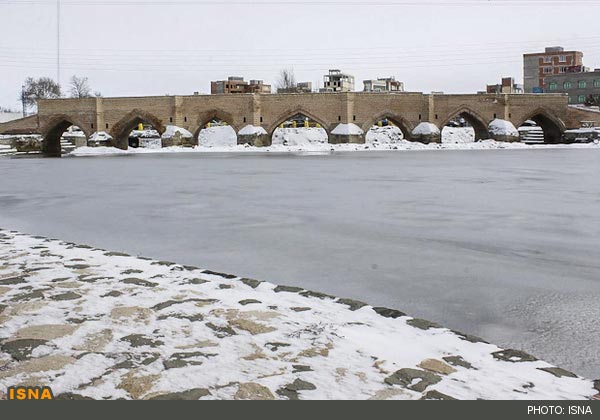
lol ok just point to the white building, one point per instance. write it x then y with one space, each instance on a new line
336 81
387 84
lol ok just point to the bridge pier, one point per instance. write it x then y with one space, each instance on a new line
254 135
503 130
51 148
121 142
347 133
341 139
426 132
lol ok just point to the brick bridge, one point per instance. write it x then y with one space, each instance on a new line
118 116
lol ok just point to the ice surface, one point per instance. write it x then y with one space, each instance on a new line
481 241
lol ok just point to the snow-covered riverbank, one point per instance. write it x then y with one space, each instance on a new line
314 140
100 324
222 139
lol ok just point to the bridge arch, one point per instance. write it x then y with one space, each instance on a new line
291 113
552 126
402 123
53 130
475 120
120 131
215 114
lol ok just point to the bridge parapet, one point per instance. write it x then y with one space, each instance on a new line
27 125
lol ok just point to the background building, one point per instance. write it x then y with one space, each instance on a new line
336 81
554 60
235 84
507 85
579 86
387 84
231 85
301 87
258 86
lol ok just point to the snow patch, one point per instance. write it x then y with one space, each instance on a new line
347 130
217 136
458 135
425 129
151 143
98 151
328 335
503 128
100 136
252 130
389 134
172 130
302 136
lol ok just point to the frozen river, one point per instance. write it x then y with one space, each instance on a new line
502 244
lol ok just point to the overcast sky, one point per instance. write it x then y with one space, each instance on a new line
178 47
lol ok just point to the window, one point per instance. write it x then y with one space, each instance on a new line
567 85
570 99
582 84
562 69
581 99
562 58
547 70
547 59
553 86
597 83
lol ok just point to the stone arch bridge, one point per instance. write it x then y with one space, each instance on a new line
255 117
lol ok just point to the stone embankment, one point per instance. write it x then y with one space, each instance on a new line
105 325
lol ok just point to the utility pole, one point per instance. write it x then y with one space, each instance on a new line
58 42
23 99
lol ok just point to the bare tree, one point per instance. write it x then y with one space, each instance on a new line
287 80
36 89
79 87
